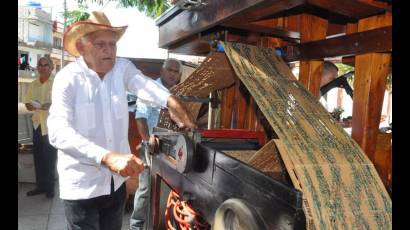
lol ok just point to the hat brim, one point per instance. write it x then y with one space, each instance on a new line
79 29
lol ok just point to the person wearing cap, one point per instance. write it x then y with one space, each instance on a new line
37 100
88 123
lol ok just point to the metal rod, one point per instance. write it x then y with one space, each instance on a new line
62 39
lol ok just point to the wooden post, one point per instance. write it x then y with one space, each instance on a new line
227 102
239 107
350 29
312 28
371 72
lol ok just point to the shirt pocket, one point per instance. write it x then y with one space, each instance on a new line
85 118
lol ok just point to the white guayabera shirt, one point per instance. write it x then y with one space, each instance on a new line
89 118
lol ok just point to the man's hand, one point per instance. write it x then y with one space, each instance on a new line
30 107
153 144
123 164
179 114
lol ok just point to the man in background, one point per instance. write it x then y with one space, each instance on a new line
146 116
38 100
329 73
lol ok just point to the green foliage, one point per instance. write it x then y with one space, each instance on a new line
152 8
76 15
345 69
389 82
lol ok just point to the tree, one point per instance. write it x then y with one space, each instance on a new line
76 15
152 8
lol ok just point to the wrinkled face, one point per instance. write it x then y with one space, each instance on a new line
44 68
170 75
99 50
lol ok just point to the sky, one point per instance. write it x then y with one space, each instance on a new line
139 41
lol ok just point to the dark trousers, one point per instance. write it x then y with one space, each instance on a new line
45 157
99 213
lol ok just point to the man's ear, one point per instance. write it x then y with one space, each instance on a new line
161 71
79 45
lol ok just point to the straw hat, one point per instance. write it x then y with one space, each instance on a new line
95 22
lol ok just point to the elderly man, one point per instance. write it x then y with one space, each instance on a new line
38 100
88 124
146 116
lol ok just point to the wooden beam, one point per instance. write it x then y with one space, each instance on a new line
239 107
312 28
188 23
376 40
350 29
333 29
227 102
350 8
269 31
264 10
371 72
194 47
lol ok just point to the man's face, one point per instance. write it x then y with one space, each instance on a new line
44 69
99 50
170 75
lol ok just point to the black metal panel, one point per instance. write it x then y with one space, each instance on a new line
217 177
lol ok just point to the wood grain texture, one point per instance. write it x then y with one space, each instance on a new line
312 28
340 185
213 74
227 101
268 161
371 71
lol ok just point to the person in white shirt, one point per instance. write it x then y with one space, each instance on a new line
88 123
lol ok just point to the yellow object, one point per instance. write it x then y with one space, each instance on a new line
40 92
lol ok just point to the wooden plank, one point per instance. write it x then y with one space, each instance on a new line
227 102
239 107
214 73
149 67
193 47
371 72
267 160
383 157
376 40
250 119
351 28
312 28
234 35
188 23
350 8
264 10
268 31
385 5
334 29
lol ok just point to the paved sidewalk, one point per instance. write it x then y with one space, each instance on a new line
41 213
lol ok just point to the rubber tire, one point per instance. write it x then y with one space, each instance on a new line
235 214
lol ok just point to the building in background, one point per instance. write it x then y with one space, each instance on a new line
58 47
35 40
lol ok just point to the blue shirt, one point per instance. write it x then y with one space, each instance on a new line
148 111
